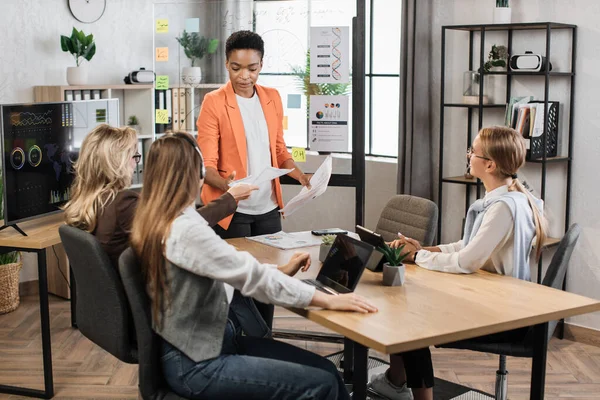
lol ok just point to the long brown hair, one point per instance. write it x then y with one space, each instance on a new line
171 183
101 171
506 147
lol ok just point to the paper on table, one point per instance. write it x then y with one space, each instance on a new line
286 241
318 186
265 175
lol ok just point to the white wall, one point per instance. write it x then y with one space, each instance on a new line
584 273
30 47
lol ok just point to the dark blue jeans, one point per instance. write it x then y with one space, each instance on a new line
253 368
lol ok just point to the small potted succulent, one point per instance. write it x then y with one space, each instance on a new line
80 46
326 243
195 48
134 123
393 270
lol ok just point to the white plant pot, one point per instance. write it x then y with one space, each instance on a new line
393 275
191 75
77 75
502 15
323 251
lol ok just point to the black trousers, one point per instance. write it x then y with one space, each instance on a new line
244 225
419 367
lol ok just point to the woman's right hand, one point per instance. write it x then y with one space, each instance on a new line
343 302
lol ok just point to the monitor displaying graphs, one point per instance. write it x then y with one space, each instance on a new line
40 142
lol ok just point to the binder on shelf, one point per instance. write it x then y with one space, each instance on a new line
190 122
86 95
535 149
183 117
77 95
175 108
68 95
169 108
95 94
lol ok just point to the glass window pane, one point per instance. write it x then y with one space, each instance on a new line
385 108
367 115
294 107
368 36
386 36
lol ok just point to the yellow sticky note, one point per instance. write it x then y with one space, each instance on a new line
285 122
162 26
298 154
162 82
162 54
162 116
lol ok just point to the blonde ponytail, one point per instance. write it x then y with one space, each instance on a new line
541 224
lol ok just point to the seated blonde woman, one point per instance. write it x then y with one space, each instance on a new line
102 203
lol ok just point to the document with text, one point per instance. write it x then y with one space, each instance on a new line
318 186
266 174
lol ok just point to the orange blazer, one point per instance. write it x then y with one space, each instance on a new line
222 138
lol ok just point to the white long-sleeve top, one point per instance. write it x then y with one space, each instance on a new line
491 249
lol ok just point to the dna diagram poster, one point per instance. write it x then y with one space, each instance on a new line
329 54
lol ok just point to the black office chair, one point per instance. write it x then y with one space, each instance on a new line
151 380
413 216
555 276
101 309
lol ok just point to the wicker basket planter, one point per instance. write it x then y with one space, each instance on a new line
9 287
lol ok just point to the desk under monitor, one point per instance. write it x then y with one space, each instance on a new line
434 308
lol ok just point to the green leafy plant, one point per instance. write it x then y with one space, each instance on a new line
328 239
133 121
317 89
497 57
13 256
79 45
393 256
196 47
502 3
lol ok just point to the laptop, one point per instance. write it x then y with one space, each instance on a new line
377 259
343 266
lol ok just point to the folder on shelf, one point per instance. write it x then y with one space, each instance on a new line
77 95
190 121
169 108
183 117
95 94
175 108
68 95
86 95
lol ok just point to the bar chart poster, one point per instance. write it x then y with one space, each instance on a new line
328 130
329 54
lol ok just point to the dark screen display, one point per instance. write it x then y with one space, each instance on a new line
345 264
37 143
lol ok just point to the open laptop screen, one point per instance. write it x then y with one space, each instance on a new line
345 264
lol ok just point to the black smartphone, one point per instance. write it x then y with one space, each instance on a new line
329 231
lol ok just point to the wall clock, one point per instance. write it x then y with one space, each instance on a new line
87 11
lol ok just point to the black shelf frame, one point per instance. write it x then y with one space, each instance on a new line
481 29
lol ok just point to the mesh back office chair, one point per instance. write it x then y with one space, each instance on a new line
414 217
555 276
151 381
101 309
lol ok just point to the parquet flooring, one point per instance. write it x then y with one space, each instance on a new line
84 371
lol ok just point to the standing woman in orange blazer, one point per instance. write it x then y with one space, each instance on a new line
240 132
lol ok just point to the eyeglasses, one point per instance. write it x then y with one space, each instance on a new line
137 157
471 152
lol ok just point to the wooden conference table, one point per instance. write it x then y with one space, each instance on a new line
434 308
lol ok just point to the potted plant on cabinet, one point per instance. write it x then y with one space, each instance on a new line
134 123
80 46
10 266
326 243
195 48
393 270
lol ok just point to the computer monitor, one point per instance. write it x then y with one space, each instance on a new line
40 142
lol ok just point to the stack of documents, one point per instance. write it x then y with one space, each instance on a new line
318 186
287 241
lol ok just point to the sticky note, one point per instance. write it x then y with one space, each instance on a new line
162 116
162 54
298 154
294 101
192 25
285 122
162 82
162 26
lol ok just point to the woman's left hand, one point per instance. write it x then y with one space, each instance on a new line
299 261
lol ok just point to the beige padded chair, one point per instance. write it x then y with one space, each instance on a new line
414 217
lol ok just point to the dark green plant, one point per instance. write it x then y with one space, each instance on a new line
502 3
79 45
13 256
317 89
497 57
196 47
133 120
394 256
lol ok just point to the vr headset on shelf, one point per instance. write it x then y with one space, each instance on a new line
139 77
528 62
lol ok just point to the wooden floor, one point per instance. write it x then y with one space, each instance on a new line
84 371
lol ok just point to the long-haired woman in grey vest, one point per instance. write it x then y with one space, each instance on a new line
500 230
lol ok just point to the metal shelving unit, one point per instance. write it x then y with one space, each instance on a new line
480 108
